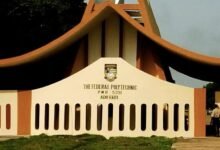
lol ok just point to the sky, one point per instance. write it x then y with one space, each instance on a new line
191 24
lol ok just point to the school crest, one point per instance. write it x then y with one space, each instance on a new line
110 72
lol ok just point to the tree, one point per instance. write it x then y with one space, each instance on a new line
29 24
211 88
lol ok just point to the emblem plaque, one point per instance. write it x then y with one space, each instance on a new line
110 72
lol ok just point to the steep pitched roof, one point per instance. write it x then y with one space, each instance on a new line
95 13
90 18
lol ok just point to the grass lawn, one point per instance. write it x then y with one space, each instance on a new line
86 142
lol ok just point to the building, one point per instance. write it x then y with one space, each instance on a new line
117 81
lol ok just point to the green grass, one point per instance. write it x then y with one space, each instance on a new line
86 142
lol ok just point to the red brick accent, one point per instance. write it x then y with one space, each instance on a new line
24 112
200 112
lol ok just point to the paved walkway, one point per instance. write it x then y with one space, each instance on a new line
207 143
4 138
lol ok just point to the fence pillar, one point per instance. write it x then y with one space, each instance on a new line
200 112
24 113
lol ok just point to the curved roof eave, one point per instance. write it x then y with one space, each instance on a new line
58 44
83 27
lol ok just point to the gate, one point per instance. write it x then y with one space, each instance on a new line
134 104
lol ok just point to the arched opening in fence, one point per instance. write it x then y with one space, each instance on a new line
143 117
186 117
165 116
110 116
66 116
176 117
154 117
99 116
56 116
37 116
132 116
88 116
8 116
46 117
121 116
77 116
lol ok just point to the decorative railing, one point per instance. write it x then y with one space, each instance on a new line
114 118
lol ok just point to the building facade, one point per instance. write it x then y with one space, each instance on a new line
117 81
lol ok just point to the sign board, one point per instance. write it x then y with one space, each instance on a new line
113 79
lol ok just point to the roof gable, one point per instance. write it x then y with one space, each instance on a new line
95 13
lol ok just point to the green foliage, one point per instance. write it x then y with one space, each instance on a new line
211 88
28 24
88 142
139 143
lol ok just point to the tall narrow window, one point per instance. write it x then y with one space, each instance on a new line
132 117
37 116
66 116
110 116
8 116
143 116
165 116
154 117
99 117
56 116
186 117
176 117
121 117
88 116
77 116
46 117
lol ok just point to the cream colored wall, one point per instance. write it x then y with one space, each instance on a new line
112 41
8 97
129 44
94 44
112 31
149 91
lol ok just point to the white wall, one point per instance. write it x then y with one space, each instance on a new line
8 98
149 91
